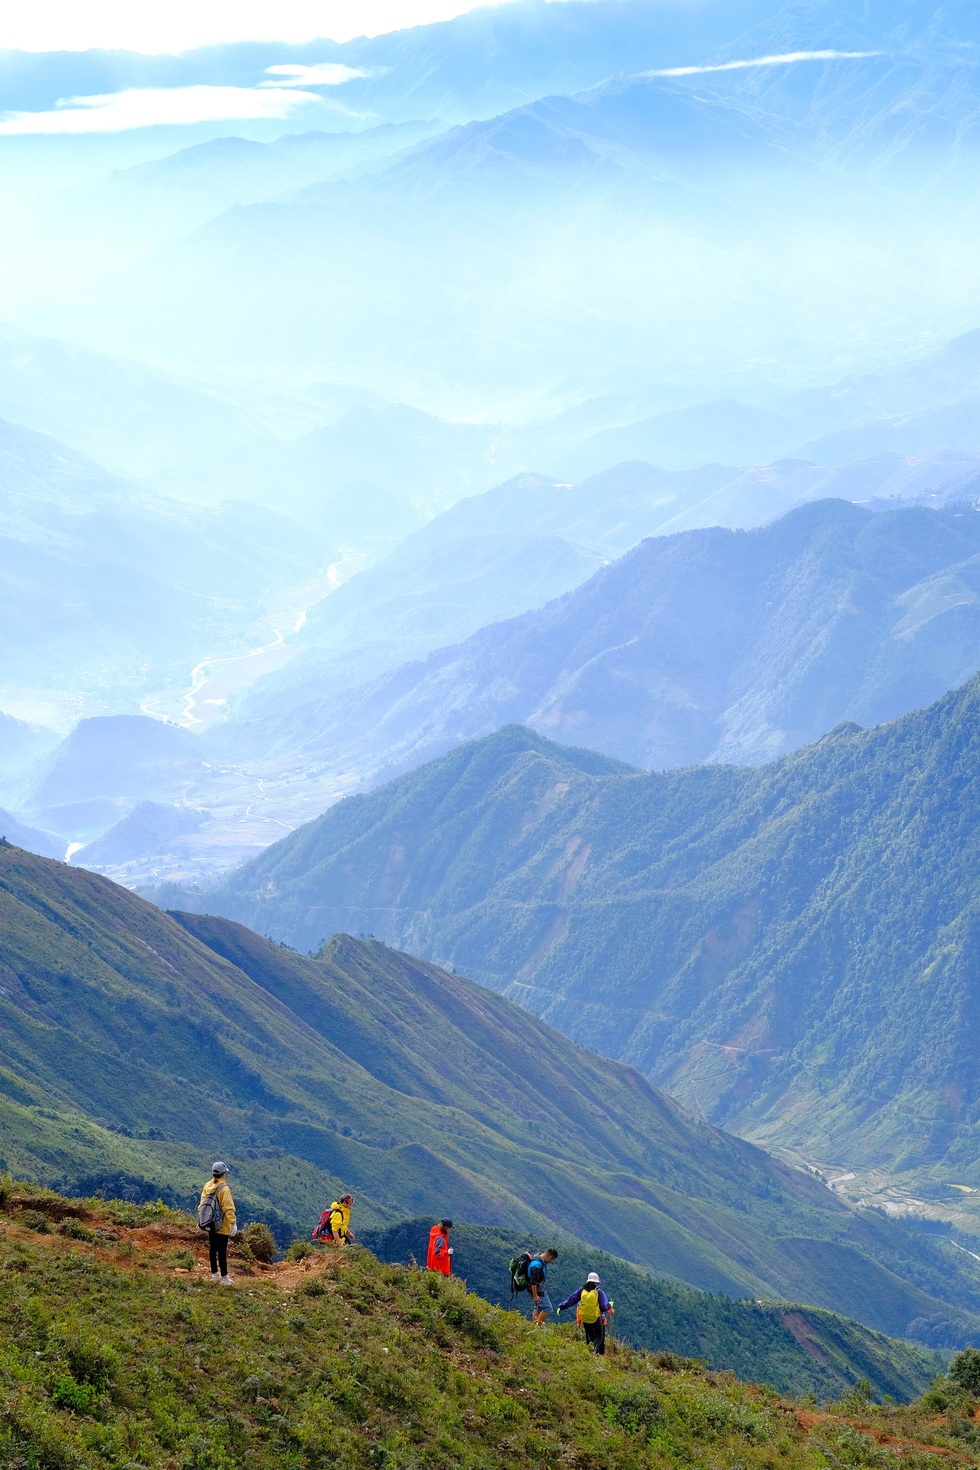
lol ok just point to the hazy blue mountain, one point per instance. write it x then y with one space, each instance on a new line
917 410
46 844
21 744
707 645
151 831
790 950
609 512
385 469
487 557
109 592
133 419
413 1087
931 381
109 763
724 430
526 251
886 481
952 426
181 191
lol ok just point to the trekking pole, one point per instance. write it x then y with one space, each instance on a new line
609 1325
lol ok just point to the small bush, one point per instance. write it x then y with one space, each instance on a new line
67 1393
75 1229
261 1242
90 1359
314 1287
185 1260
857 1398
637 1413
300 1249
6 1185
34 1220
964 1370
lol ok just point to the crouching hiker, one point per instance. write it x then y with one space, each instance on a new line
334 1225
216 1215
440 1253
593 1309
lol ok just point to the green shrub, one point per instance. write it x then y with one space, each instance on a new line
67 1393
858 1397
90 1359
75 1229
964 1370
184 1259
34 1220
300 1249
261 1242
637 1413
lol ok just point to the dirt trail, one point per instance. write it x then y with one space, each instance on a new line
808 1420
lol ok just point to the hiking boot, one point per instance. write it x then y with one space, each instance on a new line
225 1280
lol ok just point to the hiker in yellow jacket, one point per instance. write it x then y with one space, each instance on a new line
225 1226
339 1231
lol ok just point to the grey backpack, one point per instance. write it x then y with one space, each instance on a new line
209 1211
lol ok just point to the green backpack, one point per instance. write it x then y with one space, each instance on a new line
518 1272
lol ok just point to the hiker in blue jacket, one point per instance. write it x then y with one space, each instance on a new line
593 1310
537 1279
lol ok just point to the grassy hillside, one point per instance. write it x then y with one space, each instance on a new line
116 1351
791 951
138 1045
798 1349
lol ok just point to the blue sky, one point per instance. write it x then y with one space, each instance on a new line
180 25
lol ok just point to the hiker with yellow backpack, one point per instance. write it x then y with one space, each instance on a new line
593 1310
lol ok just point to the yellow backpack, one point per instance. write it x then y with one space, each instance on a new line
588 1305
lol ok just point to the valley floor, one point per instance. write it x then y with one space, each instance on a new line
116 1350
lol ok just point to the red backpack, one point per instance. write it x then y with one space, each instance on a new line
322 1230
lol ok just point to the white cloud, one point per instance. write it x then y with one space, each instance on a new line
180 25
148 107
323 74
784 59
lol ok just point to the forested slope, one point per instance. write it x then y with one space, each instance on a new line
791 950
139 1045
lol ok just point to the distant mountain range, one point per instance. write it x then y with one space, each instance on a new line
109 592
788 949
513 253
709 645
138 1044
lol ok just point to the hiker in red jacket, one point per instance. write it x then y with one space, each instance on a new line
440 1256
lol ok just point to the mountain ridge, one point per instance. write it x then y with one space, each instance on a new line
740 934
136 1040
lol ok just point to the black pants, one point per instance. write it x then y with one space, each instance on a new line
595 1336
218 1250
